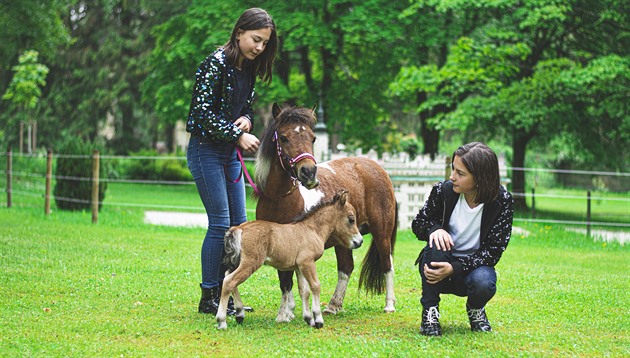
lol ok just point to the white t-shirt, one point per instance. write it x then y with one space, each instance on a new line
465 225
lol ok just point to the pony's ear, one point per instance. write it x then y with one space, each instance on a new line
275 110
314 110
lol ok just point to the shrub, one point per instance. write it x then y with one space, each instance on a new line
145 169
150 167
73 188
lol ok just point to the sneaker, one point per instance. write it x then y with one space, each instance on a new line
430 322
478 320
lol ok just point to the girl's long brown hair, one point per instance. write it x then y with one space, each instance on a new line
483 164
255 19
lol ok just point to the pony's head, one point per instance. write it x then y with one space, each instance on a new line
289 139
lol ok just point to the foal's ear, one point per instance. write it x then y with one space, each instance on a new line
275 110
342 197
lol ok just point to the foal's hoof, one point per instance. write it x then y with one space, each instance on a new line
319 325
332 310
240 320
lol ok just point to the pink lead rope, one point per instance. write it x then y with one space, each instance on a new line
249 178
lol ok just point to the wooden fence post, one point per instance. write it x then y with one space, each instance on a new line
48 181
95 175
447 170
21 137
588 213
9 176
533 203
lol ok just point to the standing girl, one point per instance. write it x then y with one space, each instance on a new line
220 121
467 223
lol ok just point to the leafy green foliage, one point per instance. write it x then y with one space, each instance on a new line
73 186
144 166
25 87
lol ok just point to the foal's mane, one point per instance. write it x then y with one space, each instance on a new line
267 152
316 208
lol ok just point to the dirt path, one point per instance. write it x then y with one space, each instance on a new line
171 218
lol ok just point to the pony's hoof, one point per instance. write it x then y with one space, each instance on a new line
389 309
222 325
240 320
319 325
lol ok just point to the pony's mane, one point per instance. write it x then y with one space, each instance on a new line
316 208
267 149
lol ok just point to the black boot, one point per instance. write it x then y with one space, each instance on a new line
430 322
209 302
231 305
478 320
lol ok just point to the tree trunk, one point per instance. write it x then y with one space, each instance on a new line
519 146
430 136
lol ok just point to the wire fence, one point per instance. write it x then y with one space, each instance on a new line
549 190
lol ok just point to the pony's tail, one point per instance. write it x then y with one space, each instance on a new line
232 249
372 276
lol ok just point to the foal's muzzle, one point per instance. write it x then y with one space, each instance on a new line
357 241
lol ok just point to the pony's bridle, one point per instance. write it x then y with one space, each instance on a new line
291 161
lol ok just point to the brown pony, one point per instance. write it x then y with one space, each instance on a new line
284 161
293 246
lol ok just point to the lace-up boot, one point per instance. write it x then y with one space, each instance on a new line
430 322
231 304
478 320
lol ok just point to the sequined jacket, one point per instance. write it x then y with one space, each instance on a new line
496 225
210 115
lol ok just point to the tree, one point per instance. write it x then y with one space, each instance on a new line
25 88
26 25
505 84
95 82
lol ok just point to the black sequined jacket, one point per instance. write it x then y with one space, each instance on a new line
496 225
210 115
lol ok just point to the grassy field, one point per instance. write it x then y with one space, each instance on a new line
123 288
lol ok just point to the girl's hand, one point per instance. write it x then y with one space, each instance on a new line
442 240
440 271
243 123
248 142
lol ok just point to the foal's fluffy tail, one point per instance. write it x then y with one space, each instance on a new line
232 248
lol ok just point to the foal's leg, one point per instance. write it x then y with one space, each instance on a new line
287 304
238 306
303 287
308 273
345 266
230 283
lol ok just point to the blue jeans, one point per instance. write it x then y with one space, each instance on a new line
479 285
216 171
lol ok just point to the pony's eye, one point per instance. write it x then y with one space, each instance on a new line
351 220
314 139
284 139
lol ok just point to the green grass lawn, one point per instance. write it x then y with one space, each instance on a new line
123 288
571 204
